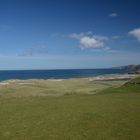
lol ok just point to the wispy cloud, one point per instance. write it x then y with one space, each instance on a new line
34 50
113 15
135 33
89 40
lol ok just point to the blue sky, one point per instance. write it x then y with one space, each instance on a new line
61 34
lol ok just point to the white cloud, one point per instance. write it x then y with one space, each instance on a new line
135 33
76 36
88 40
101 38
113 15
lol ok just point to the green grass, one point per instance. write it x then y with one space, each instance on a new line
53 88
69 116
132 86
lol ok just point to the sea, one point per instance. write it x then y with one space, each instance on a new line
56 74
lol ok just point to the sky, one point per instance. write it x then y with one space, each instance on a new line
69 34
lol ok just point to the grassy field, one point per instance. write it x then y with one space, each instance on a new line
19 88
132 86
69 110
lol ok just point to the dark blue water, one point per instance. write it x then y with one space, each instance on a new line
56 74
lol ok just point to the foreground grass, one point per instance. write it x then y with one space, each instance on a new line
70 117
74 117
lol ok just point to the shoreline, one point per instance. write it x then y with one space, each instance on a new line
109 77
99 78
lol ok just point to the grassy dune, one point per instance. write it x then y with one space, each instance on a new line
20 88
132 86
68 110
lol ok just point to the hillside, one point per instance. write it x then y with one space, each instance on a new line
130 67
132 86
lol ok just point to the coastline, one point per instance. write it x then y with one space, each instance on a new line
109 77
99 78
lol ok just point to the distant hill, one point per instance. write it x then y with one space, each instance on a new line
130 67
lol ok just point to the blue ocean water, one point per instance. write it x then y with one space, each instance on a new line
56 74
